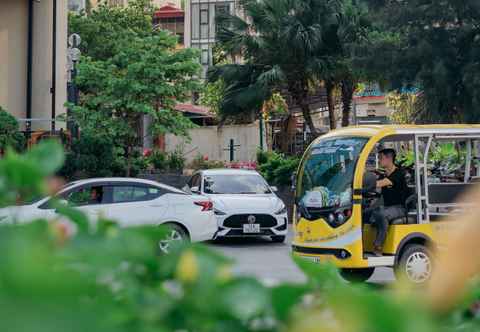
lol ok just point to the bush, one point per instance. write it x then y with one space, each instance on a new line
159 160
202 163
176 160
93 156
10 136
276 168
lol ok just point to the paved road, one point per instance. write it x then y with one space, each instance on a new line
271 262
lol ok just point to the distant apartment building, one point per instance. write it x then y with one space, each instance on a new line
157 3
33 61
172 18
201 28
370 106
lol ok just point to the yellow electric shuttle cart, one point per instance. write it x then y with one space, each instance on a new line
335 184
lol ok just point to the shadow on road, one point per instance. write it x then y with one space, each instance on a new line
246 242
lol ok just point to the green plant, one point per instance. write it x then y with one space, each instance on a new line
159 160
10 135
201 163
176 160
276 168
92 155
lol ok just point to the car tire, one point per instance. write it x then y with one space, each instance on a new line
357 275
278 238
174 234
415 264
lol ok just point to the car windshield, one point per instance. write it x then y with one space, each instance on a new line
235 184
326 175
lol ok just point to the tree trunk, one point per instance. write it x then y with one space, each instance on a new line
305 107
129 162
348 87
329 86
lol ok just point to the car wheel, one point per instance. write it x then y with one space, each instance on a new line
174 235
415 264
278 238
357 275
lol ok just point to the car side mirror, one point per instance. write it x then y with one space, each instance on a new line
195 190
274 188
294 181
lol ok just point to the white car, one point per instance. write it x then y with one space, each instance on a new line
130 202
244 204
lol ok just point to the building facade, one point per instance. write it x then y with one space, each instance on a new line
172 18
370 106
33 61
156 3
200 26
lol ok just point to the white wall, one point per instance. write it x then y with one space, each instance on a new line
212 142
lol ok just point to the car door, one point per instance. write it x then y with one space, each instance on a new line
87 198
132 204
90 199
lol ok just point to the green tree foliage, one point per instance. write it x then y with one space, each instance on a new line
285 45
9 132
131 71
289 46
406 107
93 156
276 168
212 95
433 45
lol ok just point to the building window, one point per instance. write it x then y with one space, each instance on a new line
116 2
205 57
204 23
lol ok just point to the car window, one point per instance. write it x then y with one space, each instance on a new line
129 193
85 196
238 184
195 181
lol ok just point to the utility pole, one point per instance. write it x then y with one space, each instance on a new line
260 123
54 65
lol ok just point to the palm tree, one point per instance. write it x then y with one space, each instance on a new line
353 30
286 45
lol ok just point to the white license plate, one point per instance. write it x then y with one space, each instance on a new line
251 228
312 259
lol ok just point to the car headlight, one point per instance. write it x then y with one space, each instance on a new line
219 212
282 210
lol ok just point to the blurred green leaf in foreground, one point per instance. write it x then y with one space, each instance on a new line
114 279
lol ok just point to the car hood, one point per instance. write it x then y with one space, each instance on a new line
246 203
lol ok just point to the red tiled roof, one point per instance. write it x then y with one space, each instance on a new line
195 109
168 11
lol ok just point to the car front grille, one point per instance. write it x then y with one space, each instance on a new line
238 220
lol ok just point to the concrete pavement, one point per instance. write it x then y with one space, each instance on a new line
271 262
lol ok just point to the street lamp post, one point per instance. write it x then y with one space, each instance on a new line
73 56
